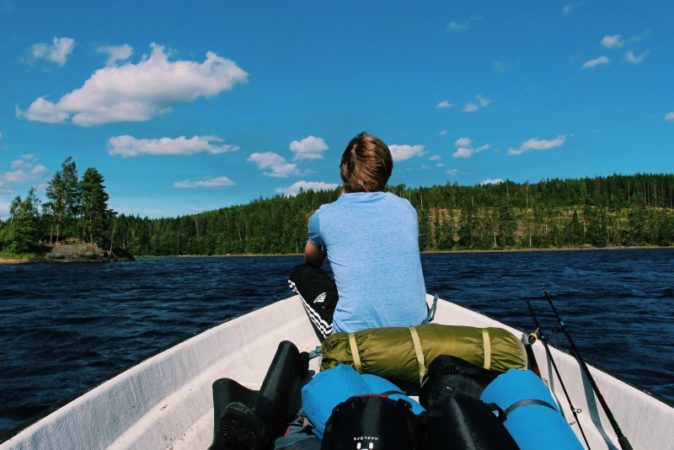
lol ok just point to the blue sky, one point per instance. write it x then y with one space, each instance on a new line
192 106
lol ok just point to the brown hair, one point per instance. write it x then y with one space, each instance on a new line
366 164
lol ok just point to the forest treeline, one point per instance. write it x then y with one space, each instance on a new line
633 210
617 210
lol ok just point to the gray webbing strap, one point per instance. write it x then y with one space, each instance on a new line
527 402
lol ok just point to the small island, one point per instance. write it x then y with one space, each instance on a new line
75 224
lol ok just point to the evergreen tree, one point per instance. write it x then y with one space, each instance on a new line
507 225
466 226
63 192
573 233
425 238
637 218
446 239
23 231
95 213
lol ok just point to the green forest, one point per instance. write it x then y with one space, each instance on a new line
635 210
618 210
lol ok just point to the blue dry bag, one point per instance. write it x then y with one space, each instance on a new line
331 387
532 415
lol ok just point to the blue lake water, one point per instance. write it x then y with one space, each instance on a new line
66 328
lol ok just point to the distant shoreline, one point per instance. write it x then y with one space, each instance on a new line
551 249
16 260
430 252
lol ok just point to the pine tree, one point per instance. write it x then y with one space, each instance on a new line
63 192
23 232
95 213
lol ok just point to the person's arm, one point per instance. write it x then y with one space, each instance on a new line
313 254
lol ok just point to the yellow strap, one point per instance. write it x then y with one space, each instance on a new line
354 353
487 348
420 354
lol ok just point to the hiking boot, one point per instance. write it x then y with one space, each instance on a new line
240 429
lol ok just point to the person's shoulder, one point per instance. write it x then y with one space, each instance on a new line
392 198
327 207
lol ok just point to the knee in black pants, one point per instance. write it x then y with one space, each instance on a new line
319 296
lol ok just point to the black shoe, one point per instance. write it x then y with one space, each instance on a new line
240 428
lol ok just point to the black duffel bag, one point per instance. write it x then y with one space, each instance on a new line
460 422
448 375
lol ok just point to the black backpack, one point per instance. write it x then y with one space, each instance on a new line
371 422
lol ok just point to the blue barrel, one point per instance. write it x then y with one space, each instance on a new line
533 418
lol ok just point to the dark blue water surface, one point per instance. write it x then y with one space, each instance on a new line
66 328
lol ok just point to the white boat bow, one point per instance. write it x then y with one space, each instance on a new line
165 402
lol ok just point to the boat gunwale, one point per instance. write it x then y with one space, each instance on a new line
85 393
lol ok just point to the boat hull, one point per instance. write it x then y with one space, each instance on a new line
165 401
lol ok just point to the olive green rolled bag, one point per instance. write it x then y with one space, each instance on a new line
401 354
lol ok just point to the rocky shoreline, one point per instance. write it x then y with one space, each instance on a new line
74 253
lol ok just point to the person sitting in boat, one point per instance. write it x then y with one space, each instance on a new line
371 240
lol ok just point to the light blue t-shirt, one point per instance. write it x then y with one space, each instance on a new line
373 249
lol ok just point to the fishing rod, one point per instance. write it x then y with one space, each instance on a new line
536 335
528 340
622 439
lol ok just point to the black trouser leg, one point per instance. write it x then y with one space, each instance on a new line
319 296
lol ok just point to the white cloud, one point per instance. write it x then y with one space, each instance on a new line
492 181
116 53
58 52
470 107
26 169
631 58
484 102
465 149
480 102
463 142
462 26
452 172
444 105
435 158
669 117
1 136
535 144
128 146
442 132
311 147
274 164
302 185
639 37
569 8
138 92
403 152
212 183
612 41
42 110
463 152
591 64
